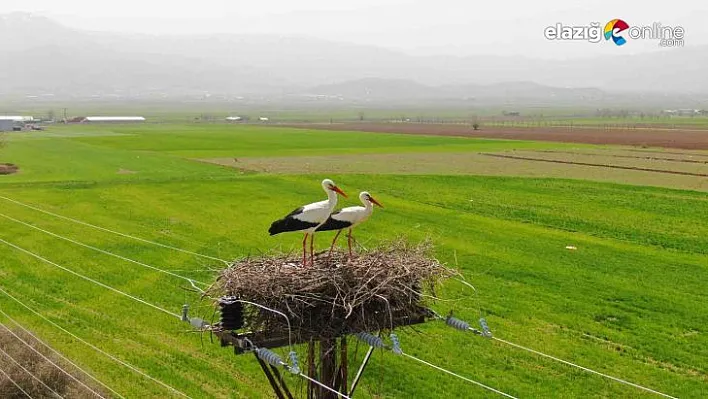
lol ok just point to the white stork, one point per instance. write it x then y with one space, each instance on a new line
350 217
308 218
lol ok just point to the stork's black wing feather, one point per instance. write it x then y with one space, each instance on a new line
289 223
334 224
295 212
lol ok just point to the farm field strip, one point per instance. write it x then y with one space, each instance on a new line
116 355
452 163
629 302
614 155
592 161
156 306
90 242
191 281
89 279
602 374
667 138
686 153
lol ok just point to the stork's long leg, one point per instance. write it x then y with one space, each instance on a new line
312 249
334 241
350 242
358 244
304 251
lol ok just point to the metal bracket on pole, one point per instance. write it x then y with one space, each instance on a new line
270 377
280 379
360 372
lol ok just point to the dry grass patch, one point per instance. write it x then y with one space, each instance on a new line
8 168
36 365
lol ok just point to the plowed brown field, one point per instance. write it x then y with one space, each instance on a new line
653 137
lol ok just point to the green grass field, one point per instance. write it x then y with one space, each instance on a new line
631 301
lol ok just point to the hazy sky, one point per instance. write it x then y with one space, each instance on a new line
426 27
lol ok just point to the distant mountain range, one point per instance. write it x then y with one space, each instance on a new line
41 57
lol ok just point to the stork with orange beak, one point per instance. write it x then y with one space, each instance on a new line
308 218
350 217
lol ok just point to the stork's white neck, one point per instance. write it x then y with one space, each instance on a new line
331 198
367 204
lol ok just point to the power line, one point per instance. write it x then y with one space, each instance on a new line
464 326
56 352
192 281
27 344
30 374
113 231
15 383
266 354
314 381
585 368
123 258
97 349
274 360
376 342
90 279
459 376
189 280
50 361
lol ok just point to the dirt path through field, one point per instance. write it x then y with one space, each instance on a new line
598 165
641 172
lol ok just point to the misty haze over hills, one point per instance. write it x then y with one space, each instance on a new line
43 57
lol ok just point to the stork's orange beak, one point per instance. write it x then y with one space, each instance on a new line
373 201
339 190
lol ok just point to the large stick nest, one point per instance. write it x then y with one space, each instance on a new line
376 290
